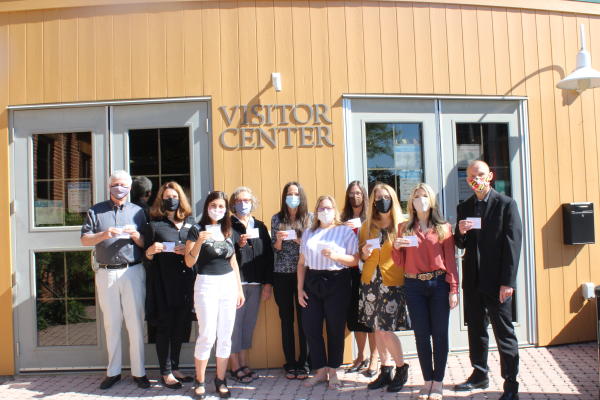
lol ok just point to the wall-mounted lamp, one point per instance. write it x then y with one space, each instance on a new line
276 80
584 77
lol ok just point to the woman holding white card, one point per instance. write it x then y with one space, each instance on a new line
217 290
324 288
169 283
255 259
425 248
382 303
287 227
354 215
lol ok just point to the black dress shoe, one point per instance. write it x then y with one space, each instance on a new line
384 379
481 382
400 379
109 381
509 396
142 382
176 385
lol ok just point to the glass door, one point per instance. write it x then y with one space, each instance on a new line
164 142
58 172
489 131
403 141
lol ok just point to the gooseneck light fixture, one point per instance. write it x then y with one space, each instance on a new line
584 77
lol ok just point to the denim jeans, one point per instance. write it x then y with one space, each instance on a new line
429 310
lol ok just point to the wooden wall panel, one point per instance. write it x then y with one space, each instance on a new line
471 51
323 49
439 50
501 52
103 35
406 47
456 60
34 58
51 57
122 56
536 141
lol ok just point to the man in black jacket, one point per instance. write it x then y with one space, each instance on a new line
489 276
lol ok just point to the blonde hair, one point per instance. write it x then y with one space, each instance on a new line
336 220
435 218
396 212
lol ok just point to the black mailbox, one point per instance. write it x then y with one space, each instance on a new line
578 223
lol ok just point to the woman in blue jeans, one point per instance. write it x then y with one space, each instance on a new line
425 248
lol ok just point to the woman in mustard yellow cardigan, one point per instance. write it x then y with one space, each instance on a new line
382 304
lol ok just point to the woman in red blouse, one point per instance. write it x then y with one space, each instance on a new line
425 247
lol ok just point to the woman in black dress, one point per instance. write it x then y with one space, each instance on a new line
170 284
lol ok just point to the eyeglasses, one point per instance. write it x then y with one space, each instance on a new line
247 201
355 194
321 209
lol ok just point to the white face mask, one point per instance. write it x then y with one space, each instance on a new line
421 204
326 217
216 214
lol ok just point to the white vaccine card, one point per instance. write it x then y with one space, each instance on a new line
291 234
122 234
252 233
215 229
476 222
413 241
168 247
356 223
374 243
322 246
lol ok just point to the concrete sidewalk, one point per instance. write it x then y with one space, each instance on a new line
558 373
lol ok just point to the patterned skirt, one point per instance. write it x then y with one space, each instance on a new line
383 307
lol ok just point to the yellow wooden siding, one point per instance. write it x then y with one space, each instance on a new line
227 50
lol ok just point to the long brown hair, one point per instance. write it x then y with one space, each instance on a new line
157 211
373 215
225 221
302 216
348 212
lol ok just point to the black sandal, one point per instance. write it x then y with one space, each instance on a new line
239 375
290 373
222 384
301 374
253 375
198 384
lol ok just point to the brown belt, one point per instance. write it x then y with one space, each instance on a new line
426 276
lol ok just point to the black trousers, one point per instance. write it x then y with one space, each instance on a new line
285 290
480 310
329 295
170 333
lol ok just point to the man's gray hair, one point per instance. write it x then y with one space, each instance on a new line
235 195
120 174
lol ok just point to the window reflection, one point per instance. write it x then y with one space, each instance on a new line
394 156
161 155
62 178
65 299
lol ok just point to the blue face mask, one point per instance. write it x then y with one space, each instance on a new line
243 208
292 201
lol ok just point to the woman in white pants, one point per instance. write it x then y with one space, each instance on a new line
217 290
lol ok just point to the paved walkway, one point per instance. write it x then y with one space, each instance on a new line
557 373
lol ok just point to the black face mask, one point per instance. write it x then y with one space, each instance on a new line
170 204
383 205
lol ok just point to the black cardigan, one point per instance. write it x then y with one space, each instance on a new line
255 259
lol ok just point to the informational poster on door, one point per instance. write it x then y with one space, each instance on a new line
79 195
465 153
407 156
408 180
464 190
49 212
